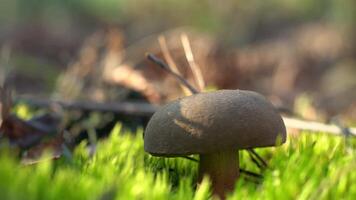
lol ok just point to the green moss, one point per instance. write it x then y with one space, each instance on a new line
309 166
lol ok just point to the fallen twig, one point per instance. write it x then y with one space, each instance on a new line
198 75
130 108
315 126
147 109
164 66
168 57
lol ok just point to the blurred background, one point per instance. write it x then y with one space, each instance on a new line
301 54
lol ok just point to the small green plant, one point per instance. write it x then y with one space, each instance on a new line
310 166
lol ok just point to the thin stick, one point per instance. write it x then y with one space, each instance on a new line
168 57
164 66
249 173
257 159
147 109
130 108
315 126
193 65
190 158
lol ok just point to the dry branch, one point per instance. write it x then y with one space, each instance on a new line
164 66
198 75
315 126
129 108
168 57
147 109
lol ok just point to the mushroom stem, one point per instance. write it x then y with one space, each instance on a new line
222 168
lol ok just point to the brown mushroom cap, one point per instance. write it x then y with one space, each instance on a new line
214 121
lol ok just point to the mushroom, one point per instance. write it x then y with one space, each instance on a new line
215 125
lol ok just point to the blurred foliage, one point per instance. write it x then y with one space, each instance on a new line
230 18
43 36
